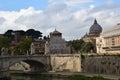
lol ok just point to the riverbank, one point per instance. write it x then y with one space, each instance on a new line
108 76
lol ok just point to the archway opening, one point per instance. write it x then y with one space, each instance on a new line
28 66
36 66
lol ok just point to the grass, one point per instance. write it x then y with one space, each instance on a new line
80 77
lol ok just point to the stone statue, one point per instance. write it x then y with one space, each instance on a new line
4 51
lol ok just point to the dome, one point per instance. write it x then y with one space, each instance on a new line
95 29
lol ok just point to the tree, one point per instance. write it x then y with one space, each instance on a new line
77 44
82 46
33 33
23 47
4 42
9 34
87 47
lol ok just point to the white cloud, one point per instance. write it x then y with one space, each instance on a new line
105 7
2 20
72 23
77 2
56 8
71 2
92 7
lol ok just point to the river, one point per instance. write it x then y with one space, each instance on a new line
36 78
22 76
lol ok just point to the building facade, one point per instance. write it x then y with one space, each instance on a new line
38 46
111 40
56 45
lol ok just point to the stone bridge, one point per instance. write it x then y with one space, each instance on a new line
52 62
37 63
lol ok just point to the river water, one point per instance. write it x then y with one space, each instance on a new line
36 78
17 76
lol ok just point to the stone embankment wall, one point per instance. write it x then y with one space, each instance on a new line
107 64
66 62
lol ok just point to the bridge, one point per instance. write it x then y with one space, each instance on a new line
37 63
44 63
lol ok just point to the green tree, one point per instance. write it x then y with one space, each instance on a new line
87 47
23 47
34 34
77 44
4 42
9 34
82 46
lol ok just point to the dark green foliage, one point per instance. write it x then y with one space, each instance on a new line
77 44
80 77
77 77
23 47
87 47
9 34
4 42
80 45
33 33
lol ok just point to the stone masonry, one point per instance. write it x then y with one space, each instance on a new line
107 64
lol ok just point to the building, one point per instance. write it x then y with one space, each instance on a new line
94 32
38 46
18 35
56 45
111 40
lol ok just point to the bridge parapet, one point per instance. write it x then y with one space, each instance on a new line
66 62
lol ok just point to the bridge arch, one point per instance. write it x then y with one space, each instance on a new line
37 63
34 65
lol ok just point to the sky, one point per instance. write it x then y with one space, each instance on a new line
73 18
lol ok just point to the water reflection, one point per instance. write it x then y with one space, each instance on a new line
37 78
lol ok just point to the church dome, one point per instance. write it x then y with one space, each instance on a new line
95 29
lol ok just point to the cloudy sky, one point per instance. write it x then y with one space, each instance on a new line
71 17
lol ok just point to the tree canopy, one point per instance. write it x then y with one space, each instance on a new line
34 34
22 47
9 34
82 46
4 42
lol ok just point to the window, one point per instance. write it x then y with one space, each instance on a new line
113 41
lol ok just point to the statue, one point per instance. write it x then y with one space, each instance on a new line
4 51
